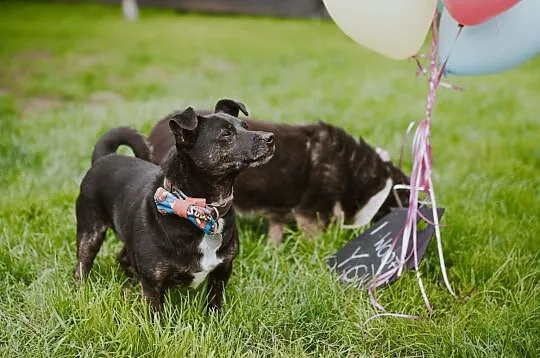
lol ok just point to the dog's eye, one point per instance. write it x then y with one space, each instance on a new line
244 124
226 132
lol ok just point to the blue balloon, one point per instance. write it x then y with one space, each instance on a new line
440 6
496 45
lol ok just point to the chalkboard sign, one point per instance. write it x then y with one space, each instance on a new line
359 260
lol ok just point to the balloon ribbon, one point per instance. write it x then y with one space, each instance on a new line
421 181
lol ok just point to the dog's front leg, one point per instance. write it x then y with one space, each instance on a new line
275 232
153 292
217 280
277 222
125 263
309 224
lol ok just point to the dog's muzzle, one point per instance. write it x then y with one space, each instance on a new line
263 149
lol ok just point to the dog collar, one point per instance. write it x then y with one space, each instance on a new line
222 206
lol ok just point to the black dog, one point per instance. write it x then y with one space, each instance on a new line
318 173
166 250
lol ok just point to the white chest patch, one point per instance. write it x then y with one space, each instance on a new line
366 213
208 247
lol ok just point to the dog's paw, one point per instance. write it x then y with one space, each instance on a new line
214 304
78 274
213 309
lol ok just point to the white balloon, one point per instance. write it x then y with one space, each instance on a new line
393 28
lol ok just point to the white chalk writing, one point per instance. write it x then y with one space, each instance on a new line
355 255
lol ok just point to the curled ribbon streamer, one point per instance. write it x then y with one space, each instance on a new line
399 315
421 181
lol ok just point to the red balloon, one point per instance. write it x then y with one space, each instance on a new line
474 12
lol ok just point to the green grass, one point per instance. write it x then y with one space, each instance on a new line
69 72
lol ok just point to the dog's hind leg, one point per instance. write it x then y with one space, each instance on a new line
91 231
88 244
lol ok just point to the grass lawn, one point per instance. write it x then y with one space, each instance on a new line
69 72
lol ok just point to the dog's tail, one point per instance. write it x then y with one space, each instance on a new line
110 141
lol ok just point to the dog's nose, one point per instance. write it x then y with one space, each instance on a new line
268 138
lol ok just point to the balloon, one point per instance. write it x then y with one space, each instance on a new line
499 44
474 12
440 6
393 28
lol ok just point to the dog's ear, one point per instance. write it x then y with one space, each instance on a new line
322 123
231 107
181 123
183 120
